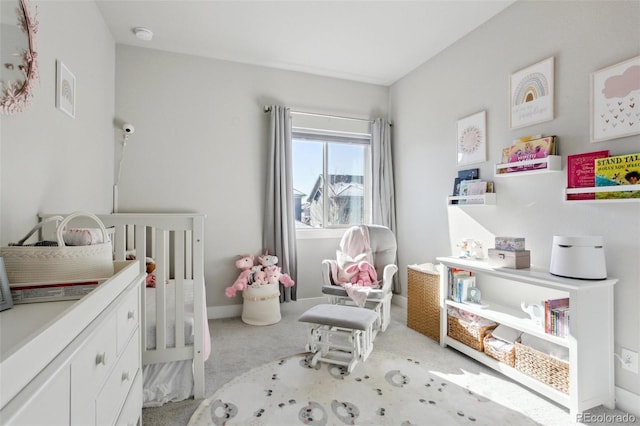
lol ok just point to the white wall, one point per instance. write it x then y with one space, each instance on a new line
50 162
473 75
200 146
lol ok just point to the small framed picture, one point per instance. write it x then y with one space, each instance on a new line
531 94
6 301
615 101
65 90
472 139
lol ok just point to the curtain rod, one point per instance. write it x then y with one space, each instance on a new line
267 108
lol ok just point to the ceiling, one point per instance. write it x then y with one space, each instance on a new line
374 42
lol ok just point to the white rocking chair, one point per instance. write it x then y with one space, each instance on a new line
382 243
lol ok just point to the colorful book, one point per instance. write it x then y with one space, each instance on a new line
454 275
475 187
469 174
550 319
533 149
581 173
618 170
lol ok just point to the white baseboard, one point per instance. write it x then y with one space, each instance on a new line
399 300
627 401
233 311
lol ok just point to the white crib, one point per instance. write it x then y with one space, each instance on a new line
176 340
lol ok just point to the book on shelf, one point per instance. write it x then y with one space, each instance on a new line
455 275
529 148
581 173
618 170
556 317
469 174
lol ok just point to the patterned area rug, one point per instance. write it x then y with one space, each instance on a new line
385 390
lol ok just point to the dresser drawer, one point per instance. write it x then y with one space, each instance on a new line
92 363
132 409
116 389
128 316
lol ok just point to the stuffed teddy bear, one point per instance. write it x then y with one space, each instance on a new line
365 274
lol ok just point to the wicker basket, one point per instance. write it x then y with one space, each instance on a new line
540 366
423 303
467 333
506 356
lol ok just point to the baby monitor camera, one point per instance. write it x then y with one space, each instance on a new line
128 128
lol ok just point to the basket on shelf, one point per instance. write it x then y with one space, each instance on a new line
505 353
467 332
545 368
423 303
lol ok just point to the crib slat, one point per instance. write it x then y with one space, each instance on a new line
199 306
161 297
119 241
179 272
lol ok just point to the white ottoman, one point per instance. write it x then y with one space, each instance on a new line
340 334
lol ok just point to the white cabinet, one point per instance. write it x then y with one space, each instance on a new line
590 340
75 362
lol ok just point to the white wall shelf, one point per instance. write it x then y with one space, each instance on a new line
590 341
486 199
619 188
553 162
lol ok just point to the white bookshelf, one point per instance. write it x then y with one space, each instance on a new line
590 340
553 164
486 199
618 188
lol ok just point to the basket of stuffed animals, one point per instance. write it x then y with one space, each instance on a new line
260 286
261 304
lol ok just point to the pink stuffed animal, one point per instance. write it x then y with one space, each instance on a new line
366 274
245 263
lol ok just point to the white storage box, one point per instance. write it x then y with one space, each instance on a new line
578 257
509 259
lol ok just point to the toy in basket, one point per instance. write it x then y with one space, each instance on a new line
57 262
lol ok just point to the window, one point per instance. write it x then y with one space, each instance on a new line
331 178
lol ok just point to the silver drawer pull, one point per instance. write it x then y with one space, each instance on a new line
125 376
131 314
101 358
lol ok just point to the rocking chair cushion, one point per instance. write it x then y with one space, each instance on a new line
336 290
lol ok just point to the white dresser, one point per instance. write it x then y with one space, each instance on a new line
75 362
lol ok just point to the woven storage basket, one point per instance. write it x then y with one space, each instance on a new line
47 264
467 333
540 366
423 303
506 356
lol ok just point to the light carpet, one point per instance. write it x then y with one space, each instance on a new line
387 389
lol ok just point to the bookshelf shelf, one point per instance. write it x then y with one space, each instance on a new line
553 162
620 188
486 199
590 340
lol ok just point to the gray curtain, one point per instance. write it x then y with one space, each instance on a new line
383 200
279 230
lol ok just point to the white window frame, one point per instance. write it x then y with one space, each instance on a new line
327 137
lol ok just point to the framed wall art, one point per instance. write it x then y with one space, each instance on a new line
472 139
531 94
615 101
65 90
